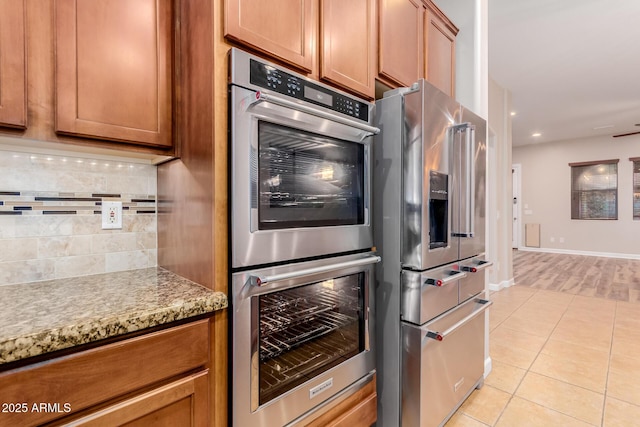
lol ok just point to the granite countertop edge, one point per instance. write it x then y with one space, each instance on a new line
85 331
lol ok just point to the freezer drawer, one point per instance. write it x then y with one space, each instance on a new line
442 362
429 293
474 282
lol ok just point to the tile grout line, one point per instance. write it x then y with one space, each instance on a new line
606 384
525 374
528 370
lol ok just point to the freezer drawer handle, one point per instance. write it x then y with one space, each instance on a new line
439 336
264 280
481 265
263 97
448 279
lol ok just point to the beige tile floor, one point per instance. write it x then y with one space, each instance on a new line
559 359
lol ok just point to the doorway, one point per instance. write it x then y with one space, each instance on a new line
516 210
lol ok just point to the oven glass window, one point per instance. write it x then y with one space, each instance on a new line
307 330
308 180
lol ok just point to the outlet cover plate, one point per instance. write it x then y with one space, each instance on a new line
111 215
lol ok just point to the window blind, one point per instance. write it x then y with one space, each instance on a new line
594 190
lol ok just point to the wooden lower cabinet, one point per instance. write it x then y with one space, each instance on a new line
159 378
357 410
180 403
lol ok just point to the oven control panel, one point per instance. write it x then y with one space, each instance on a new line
270 77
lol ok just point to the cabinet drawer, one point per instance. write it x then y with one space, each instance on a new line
90 377
180 403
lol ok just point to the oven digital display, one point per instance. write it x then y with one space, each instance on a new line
318 96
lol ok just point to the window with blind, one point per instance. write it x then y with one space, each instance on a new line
594 190
636 187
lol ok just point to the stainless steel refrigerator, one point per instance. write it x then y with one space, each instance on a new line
429 227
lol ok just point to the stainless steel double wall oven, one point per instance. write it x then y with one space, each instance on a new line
301 238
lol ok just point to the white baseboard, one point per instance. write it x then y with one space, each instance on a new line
576 252
487 366
504 284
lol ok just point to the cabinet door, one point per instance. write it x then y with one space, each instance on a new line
13 103
348 44
284 29
184 402
440 45
400 54
113 69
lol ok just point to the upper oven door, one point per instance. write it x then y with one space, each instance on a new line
300 180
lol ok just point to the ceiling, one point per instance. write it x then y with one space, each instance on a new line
572 66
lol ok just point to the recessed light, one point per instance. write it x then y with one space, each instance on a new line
536 134
513 113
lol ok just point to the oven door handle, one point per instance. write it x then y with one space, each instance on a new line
439 336
263 97
264 280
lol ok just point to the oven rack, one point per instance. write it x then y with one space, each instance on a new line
296 301
288 369
285 339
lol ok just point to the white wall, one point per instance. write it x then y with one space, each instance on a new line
546 196
499 213
471 18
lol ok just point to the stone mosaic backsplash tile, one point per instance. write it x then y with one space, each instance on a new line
50 222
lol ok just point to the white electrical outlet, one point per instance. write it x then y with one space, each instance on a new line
562 240
552 239
111 215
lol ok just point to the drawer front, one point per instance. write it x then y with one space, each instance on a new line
473 283
428 294
90 377
438 375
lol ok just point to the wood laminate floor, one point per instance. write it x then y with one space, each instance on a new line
565 346
611 278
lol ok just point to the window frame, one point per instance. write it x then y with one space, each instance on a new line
635 188
576 212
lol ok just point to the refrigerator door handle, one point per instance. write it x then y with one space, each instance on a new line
468 197
439 336
479 266
443 281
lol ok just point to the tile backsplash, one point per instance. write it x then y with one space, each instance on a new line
50 216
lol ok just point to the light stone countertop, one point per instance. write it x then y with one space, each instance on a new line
41 317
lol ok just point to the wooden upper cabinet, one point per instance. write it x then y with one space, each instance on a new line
440 45
347 36
284 29
113 75
400 35
13 88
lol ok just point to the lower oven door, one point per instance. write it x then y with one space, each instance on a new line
442 362
301 333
